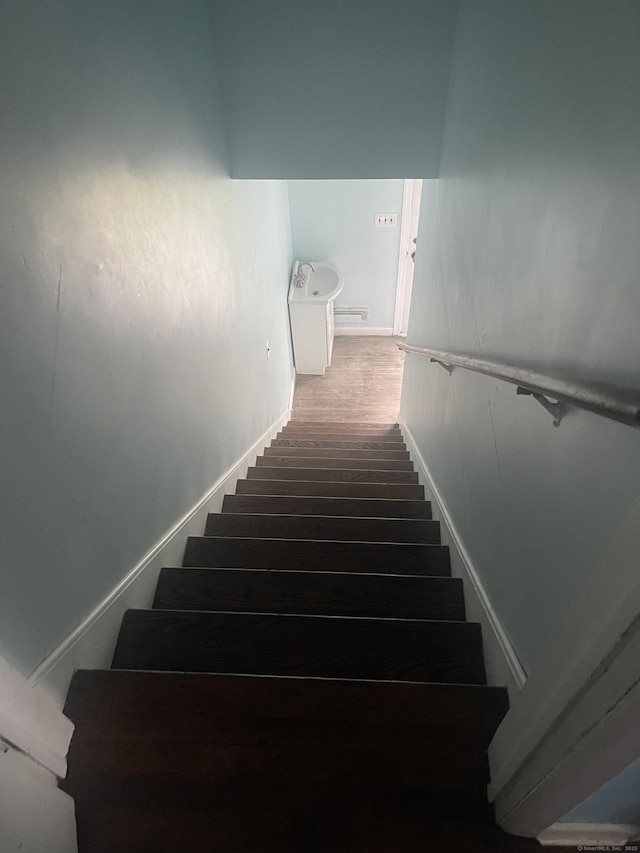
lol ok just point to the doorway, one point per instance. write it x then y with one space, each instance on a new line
411 196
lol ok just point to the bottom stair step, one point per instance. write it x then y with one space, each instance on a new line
302 819
329 647
186 773
109 703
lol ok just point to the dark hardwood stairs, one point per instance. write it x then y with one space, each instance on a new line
306 681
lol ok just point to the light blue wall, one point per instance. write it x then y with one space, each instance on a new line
616 802
530 251
334 221
335 89
139 285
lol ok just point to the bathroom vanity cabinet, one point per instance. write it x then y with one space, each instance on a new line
313 290
312 330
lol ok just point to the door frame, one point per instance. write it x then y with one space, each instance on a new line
411 194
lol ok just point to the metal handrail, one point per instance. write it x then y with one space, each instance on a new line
602 398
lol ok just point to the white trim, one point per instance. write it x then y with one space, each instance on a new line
403 254
587 834
411 193
293 392
90 645
500 651
32 723
376 331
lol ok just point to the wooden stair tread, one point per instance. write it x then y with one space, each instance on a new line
327 527
334 462
335 453
344 443
330 647
341 475
336 488
150 701
342 434
295 422
320 593
386 438
306 505
254 553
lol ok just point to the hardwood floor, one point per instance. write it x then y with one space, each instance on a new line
362 384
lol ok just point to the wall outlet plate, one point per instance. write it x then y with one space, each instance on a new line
386 220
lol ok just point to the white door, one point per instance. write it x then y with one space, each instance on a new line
408 237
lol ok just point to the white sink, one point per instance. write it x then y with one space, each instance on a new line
321 284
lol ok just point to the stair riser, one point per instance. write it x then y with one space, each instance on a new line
446 652
340 425
354 507
303 817
204 772
339 475
336 453
212 728
387 438
342 434
304 527
345 444
405 559
334 463
309 488
312 593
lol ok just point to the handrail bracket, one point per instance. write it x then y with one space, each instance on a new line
601 398
447 367
557 410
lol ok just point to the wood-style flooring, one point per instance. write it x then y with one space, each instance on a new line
362 384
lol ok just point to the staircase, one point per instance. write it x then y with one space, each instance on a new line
305 682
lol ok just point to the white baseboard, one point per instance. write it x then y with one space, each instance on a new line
588 835
372 331
92 643
501 661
